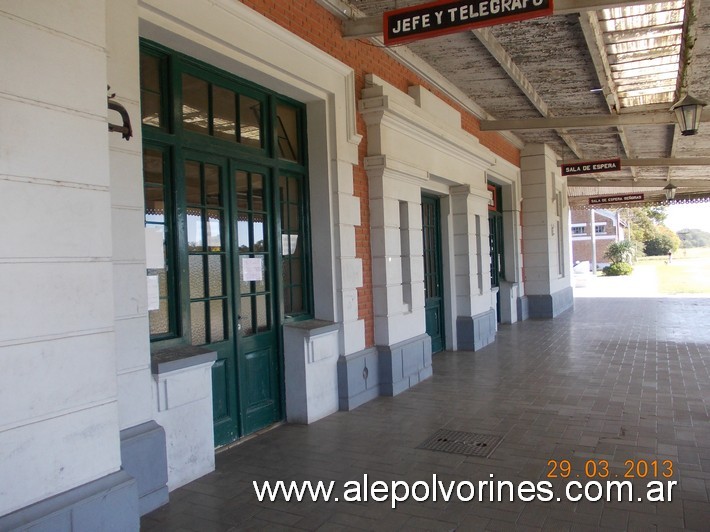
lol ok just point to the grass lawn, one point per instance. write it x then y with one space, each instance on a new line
687 273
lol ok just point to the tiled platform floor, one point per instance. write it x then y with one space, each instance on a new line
614 379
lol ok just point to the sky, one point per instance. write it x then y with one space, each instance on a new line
688 216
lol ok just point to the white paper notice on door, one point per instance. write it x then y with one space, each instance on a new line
252 269
153 293
154 248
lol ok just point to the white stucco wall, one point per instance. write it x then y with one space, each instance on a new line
58 407
545 222
415 145
127 212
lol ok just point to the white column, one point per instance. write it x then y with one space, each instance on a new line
58 397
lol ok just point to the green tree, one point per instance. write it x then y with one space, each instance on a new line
694 238
663 242
623 251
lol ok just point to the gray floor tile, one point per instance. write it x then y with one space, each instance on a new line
614 379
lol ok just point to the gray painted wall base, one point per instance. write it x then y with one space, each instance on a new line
552 305
476 332
143 456
523 308
358 378
108 504
404 364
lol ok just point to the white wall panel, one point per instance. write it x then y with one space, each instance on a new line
54 221
46 458
53 298
51 144
67 73
42 377
68 16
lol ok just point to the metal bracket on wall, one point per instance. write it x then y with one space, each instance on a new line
126 130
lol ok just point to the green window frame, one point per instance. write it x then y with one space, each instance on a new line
188 106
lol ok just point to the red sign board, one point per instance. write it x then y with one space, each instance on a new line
447 16
593 167
618 198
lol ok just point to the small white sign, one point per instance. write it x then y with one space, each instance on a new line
252 269
154 259
153 293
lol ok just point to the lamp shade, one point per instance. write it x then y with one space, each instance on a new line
669 190
687 112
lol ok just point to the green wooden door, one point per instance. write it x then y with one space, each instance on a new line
209 265
231 254
495 227
433 285
258 360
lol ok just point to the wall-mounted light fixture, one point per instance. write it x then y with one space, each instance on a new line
126 130
687 112
669 191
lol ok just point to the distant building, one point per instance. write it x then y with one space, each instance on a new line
608 228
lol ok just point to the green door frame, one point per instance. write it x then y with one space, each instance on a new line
248 401
433 272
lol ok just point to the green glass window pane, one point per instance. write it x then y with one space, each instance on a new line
258 242
197 277
241 182
151 105
296 272
214 231
247 327
215 275
213 185
287 143
250 122
293 218
159 320
198 323
262 316
195 104
154 205
217 322
193 194
286 271
294 189
150 72
224 110
194 230
287 301
296 299
257 192
151 102
243 233
153 166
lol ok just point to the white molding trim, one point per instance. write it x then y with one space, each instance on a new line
326 76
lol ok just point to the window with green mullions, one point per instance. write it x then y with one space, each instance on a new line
206 252
294 262
220 112
253 199
157 232
188 107
152 87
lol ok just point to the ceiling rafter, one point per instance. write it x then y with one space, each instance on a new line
594 36
583 121
520 79
686 65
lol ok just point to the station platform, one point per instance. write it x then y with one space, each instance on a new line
614 384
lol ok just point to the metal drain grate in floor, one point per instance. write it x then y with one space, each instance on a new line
467 443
